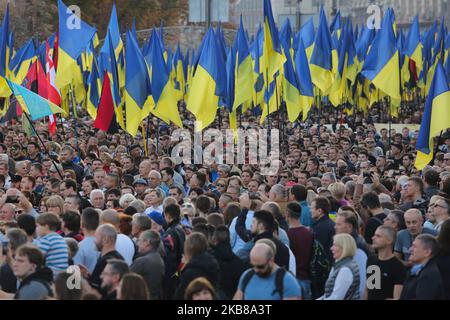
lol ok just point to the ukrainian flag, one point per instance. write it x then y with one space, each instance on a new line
381 66
5 50
178 73
258 76
413 46
304 80
272 59
321 63
208 84
32 103
243 70
336 25
163 91
291 88
436 117
22 60
137 85
94 90
307 35
72 42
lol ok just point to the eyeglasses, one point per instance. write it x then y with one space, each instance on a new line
284 177
221 185
18 211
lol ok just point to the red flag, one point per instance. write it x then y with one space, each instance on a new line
106 116
42 81
55 51
53 92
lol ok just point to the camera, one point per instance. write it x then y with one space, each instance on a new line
12 199
368 177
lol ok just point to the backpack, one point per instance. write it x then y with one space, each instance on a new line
279 277
319 265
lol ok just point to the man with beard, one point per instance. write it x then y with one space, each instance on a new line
67 156
105 241
112 274
266 279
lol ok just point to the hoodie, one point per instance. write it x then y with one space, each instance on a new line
202 265
231 268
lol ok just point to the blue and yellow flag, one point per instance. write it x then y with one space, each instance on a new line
413 45
208 84
137 85
321 63
163 90
32 103
381 66
272 59
304 80
94 89
243 70
22 60
436 117
5 50
74 37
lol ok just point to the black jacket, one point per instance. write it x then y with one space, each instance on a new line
443 263
203 265
79 171
426 285
43 276
324 233
231 268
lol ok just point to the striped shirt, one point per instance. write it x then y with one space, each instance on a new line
55 250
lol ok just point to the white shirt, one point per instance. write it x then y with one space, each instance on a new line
87 254
125 246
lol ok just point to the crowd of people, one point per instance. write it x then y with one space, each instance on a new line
346 216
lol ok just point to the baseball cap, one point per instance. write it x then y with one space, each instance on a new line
157 217
140 181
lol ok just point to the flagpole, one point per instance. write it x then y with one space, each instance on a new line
157 137
268 101
390 121
72 98
319 105
147 131
436 148
43 145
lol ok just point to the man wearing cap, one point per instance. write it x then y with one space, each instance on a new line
139 186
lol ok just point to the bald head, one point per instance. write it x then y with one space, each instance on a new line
261 252
107 233
110 216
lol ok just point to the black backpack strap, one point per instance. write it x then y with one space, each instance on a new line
279 282
246 280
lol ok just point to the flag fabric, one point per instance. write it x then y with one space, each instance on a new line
413 45
94 89
73 39
106 114
208 84
137 85
5 50
243 70
436 117
305 84
272 59
382 64
53 92
21 61
114 82
33 104
321 63
163 91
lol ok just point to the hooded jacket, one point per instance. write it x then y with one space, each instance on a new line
231 268
202 265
